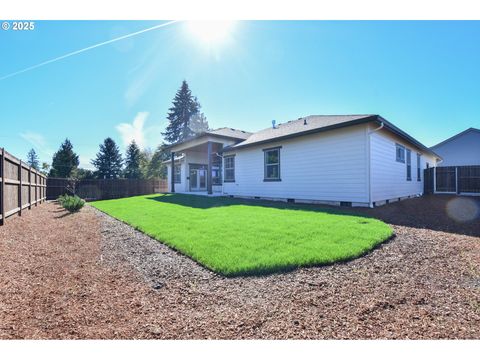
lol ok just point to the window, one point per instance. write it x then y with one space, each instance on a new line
216 170
177 177
229 162
400 153
272 164
419 167
216 176
409 165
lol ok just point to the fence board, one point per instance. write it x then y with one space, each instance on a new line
452 179
20 186
445 179
428 181
101 189
469 179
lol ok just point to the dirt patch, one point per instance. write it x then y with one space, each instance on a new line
89 276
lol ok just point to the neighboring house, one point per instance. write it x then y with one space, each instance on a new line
461 149
351 160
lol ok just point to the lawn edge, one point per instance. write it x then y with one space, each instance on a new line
256 272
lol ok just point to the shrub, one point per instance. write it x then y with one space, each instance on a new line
71 203
62 198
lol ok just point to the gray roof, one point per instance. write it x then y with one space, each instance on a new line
317 123
456 136
224 132
229 132
301 126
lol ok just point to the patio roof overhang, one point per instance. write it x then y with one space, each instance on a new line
201 140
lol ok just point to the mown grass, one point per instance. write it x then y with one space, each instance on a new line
241 237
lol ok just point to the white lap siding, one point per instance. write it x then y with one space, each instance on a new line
389 177
329 166
182 186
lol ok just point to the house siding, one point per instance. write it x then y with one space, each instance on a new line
461 151
328 166
389 177
179 187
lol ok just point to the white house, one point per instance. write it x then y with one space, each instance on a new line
462 149
351 160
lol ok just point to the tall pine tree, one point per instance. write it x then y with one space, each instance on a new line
108 161
64 161
32 159
133 160
185 107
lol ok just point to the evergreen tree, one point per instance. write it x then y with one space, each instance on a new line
185 106
45 168
156 167
81 173
108 161
133 159
146 157
64 161
32 159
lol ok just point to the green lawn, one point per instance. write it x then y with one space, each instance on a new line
241 237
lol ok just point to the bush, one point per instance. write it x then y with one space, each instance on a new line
71 203
61 199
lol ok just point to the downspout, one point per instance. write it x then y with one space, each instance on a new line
370 202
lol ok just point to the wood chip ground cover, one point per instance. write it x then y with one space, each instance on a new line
87 275
243 237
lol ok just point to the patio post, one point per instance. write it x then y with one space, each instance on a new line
172 173
209 170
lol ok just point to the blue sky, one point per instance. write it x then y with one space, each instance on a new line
422 76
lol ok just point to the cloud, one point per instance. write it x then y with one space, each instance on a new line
38 142
134 131
85 162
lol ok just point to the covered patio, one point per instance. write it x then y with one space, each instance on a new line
196 165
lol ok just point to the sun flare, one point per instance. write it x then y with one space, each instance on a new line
211 33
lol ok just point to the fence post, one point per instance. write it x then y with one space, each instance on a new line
434 179
2 168
20 188
36 189
29 187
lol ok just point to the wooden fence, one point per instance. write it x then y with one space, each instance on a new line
452 180
21 186
100 189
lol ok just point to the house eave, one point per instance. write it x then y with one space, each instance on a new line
303 133
179 146
373 118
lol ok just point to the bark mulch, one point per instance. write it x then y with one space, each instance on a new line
87 275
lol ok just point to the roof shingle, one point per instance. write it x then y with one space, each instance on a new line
302 125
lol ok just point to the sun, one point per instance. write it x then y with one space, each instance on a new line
211 34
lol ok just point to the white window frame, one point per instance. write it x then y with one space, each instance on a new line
175 174
231 168
419 167
266 165
400 159
408 162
